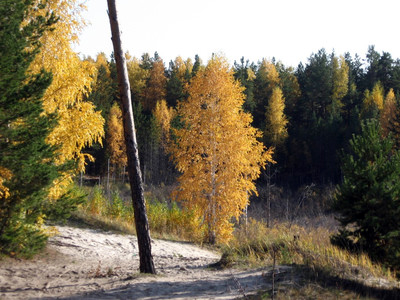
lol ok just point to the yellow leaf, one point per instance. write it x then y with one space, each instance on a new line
217 149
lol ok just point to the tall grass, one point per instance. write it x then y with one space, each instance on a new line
255 244
114 210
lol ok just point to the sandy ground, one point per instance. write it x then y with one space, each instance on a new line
93 264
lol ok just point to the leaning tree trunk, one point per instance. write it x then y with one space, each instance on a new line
135 176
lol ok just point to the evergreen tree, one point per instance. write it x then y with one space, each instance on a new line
244 72
290 88
27 166
371 76
316 130
174 91
197 65
368 200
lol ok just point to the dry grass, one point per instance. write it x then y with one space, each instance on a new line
114 212
321 269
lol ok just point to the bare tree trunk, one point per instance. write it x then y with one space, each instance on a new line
269 194
108 180
135 175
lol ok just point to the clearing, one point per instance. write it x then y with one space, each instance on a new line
93 264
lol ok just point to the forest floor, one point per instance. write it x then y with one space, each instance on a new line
82 263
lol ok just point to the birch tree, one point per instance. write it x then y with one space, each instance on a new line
217 150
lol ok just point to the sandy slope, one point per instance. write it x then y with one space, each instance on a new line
93 264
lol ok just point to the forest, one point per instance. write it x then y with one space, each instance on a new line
221 146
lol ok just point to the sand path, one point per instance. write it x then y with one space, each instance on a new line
93 264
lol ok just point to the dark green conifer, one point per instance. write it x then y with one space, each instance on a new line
24 154
368 200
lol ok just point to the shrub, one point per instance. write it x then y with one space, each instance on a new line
62 209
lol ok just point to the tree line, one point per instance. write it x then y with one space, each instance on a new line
307 114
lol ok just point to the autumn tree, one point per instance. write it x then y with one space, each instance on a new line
155 89
340 81
163 116
276 121
27 166
79 124
388 114
216 150
138 77
160 167
115 137
266 79
372 102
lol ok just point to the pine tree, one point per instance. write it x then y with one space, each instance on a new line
244 72
290 88
368 200
197 65
179 73
27 162
135 175
216 149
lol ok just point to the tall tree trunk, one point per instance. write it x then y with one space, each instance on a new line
135 176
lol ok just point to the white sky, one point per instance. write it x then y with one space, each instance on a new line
289 30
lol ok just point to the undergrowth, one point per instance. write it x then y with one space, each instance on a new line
113 211
308 251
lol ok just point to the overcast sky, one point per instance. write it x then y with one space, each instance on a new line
289 30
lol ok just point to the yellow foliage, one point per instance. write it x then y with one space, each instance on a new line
101 60
115 137
217 149
340 80
5 174
270 75
250 74
388 114
183 67
137 76
374 98
155 89
79 124
276 121
163 116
